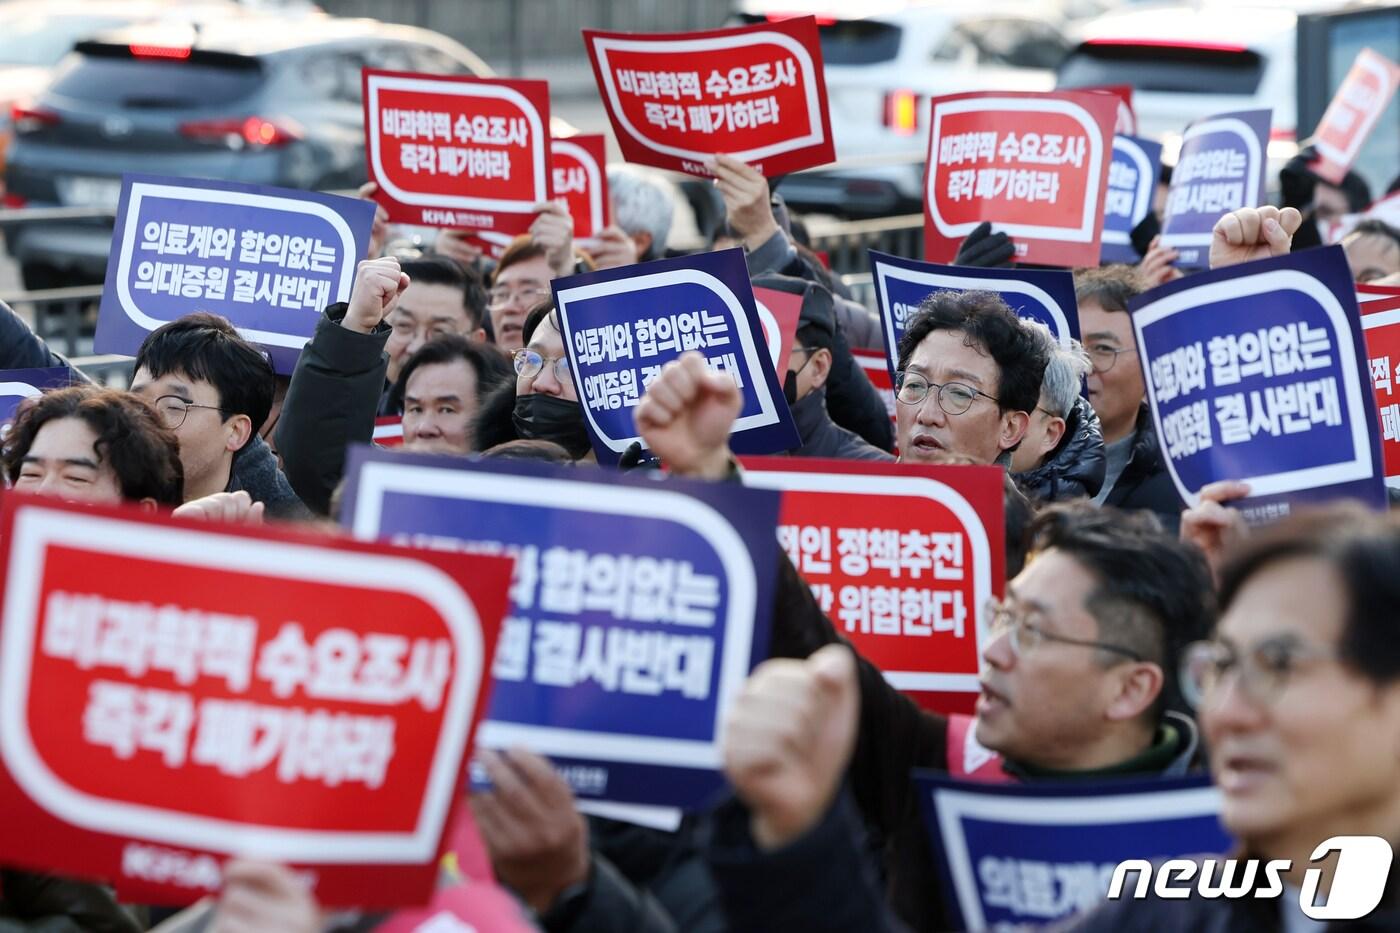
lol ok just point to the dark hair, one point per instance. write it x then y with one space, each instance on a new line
207 348
1364 550
486 362
432 269
1112 286
142 452
1017 515
537 450
1153 594
535 318
521 249
1374 226
991 327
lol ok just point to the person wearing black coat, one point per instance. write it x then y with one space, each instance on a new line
1074 469
1145 483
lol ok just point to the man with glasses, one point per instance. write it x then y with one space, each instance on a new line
443 298
523 273
969 376
1136 475
1061 457
214 390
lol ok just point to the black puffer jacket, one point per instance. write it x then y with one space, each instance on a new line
1145 482
1075 469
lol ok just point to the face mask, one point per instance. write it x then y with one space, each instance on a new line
546 418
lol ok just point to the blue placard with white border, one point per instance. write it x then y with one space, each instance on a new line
638 607
1221 168
1132 184
1032 854
1258 372
1044 295
16 385
268 259
620 326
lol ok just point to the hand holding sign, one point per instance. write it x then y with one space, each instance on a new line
379 283
1212 525
747 201
789 738
537 840
611 248
1157 266
686 415
231 507
1253 233
261 896
553 229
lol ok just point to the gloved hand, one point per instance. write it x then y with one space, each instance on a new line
985 249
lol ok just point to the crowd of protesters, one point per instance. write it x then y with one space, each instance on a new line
1132 639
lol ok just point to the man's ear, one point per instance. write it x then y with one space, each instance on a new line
1013 429
478 335
1136 688
1054 433
820 367
240 429
642 238
148 504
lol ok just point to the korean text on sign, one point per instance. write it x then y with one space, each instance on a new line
1381 321
215 691
1035 165
456 151
755 92
1363 96
1220 169
269 260
1132 186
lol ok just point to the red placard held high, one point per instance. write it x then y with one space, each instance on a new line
1360 100
1035 165
754 92
580 166
458 152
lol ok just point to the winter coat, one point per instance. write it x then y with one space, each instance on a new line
1074 469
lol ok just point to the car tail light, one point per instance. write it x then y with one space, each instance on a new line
902 112
779 17
1171 44
13 201
174 52
1283 134
238 132
26 118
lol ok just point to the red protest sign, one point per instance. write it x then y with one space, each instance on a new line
877 370
1035 165
176 693
902 558
779 313
388 431
458 152
581 178
1380 322
1126 122
1360 100
754 92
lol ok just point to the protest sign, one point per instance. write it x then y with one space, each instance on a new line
1258 372
1367 293
638 608
1035 165
1027 855
458 151
778 314
1380 320
16 385
620 326
1044 295
1132 186
1360 100
877 370
903 558
172 693
1125 122
754 92
388 431
579 165
1386 209
268 259
1220 169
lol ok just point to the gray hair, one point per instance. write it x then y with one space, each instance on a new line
641 204
1064 372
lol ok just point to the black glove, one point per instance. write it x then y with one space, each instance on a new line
1143 234
1296 181
985 249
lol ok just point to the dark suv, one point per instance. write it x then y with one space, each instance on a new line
256 99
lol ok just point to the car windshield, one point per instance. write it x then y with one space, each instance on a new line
1183 69
41 40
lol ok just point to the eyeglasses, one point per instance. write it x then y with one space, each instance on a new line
1264 670
173 409
1025 636
526 297
955 398
529 364
1102 356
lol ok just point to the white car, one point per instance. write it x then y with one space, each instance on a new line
1187 62
883 61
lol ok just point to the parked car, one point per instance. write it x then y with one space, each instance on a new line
260 99
883 62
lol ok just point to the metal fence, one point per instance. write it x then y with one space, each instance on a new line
845 242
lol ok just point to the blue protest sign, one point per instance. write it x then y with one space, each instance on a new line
1033 854
638 607
1132 184
16 385
1221 168
1045 295
268 259
620 326
1258 372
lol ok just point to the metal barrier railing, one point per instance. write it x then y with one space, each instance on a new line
59 315
862 288
845 242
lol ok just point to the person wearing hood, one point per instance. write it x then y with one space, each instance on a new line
810 361
542 403
1062 455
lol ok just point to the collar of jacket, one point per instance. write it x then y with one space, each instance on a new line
1076 466
1146 456
810 415
1171 754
